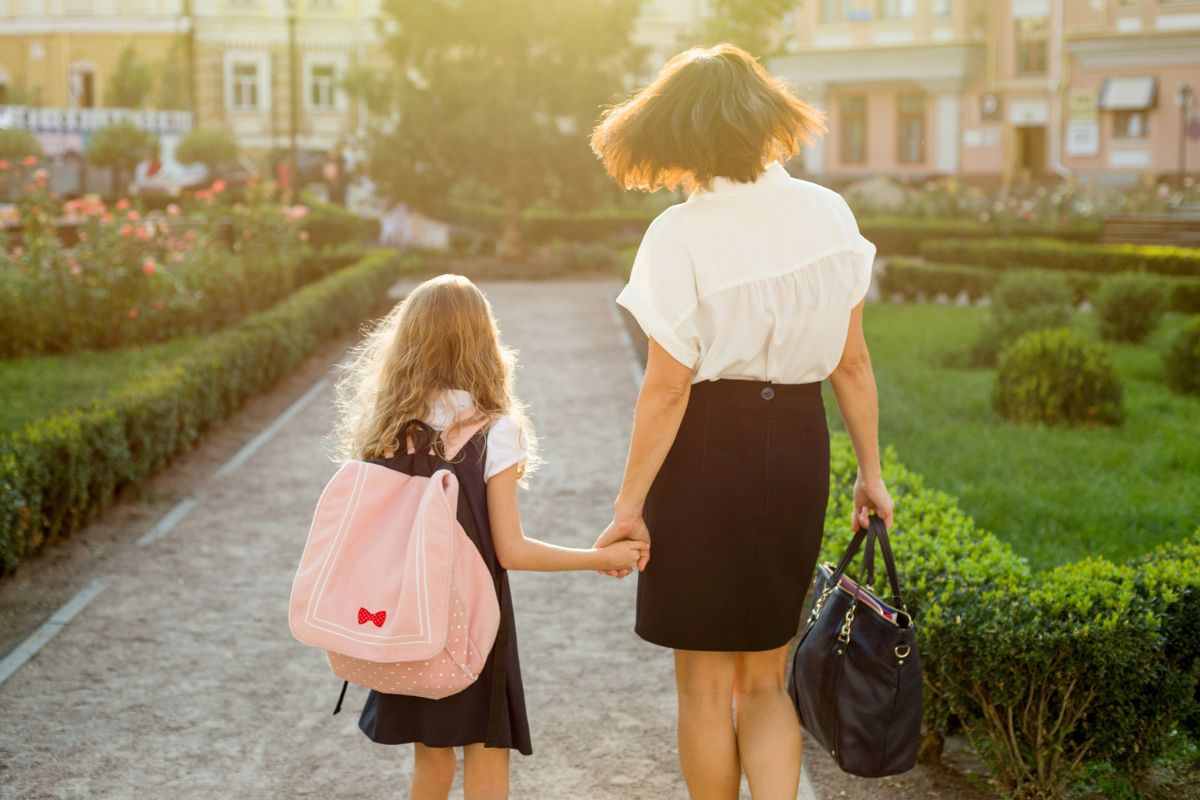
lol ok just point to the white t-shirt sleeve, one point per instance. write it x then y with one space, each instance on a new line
862 253
661 293
505 447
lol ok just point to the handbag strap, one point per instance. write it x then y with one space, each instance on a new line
876 531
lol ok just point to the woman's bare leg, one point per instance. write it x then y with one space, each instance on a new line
708 750
433 772
485 772
768 731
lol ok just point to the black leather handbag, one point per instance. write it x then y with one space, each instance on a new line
856 675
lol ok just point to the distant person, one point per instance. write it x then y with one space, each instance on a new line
751 293
434 364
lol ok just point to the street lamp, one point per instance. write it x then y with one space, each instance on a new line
1185 97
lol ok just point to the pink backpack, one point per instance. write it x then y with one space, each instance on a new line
391 586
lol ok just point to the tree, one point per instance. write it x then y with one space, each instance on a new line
17 143
131 81
120 147
212 147
753 25
499 93
174 86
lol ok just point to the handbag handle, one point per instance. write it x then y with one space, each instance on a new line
876 531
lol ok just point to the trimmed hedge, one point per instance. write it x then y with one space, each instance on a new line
905 236
1055 254
328 225
58 472
1129 306
1057 377
1183 359
1047 673
909 278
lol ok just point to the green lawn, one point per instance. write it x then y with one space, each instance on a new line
32 388
1055 494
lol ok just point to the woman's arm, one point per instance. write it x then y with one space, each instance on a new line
854 384
517 551
661 404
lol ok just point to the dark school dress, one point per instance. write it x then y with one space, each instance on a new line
491 710
736 516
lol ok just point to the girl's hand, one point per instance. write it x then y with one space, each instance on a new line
622 556
626 524
871 497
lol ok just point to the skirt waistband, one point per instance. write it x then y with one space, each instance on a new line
743 392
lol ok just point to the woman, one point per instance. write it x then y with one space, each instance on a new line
751 294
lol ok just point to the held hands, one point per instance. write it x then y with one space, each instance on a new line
871 497
622 556
627 528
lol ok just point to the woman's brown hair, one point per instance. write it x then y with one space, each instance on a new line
710 113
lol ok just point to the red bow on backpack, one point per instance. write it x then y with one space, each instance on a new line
365 616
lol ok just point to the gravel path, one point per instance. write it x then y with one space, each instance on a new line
181 680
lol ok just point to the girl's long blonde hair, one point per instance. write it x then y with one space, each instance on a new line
442 336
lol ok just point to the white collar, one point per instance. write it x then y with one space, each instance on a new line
774 173
452 404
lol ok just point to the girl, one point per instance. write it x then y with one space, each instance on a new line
436 362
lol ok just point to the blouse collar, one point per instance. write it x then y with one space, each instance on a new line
774 173
452 404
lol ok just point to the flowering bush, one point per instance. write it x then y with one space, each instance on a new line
86 275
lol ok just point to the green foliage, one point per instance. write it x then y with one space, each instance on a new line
131 81
120 147
511 89
174 85
578 257
214 147
58 472
750 24
327 224
1022 302
1057 377
1183 359
1129 306
18 143
906 236
1055 254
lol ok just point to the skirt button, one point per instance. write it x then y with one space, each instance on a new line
768 393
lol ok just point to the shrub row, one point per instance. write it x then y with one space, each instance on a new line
1055 254
56 473
905 236
327 225
1089 662
908 278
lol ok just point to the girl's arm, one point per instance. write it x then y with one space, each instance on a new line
660 408
853 382
517 551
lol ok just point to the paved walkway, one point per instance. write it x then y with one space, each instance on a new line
181 679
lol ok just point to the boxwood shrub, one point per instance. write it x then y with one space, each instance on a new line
1129 306
1183 359
906 236
1022 302
1057 254
1057 377
56 473
1047 673
329 225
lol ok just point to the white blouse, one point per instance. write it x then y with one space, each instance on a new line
752 281
505 440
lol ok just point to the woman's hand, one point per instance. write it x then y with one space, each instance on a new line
622 556
871 497
626 524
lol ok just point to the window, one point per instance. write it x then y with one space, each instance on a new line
1031 45
910 128
245 87
941 8
897 9
853 140
851 10
322 86
81 86
1131 124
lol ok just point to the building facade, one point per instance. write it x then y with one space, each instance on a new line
259 68
1000 89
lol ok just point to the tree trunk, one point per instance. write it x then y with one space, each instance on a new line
511 245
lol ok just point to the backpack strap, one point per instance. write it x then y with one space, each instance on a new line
460 434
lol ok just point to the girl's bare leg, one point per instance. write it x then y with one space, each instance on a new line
768 731
708 750
485 772
433 772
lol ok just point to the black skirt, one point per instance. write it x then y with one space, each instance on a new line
736 516
490 711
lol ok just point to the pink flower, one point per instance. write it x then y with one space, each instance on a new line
134 216
133 313
3 164
144 233
218 186
173 209
149 266
73 265
18 251
122 204
40 177
296 212
126 230
106 217
29 161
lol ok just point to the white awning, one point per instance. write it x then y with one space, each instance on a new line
1128 94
